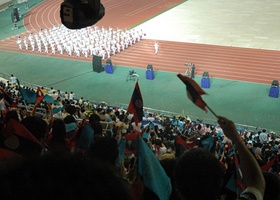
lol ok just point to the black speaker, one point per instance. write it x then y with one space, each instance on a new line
108 62
205 75
97 64
150 67
275 83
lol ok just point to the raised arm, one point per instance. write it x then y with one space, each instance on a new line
249 166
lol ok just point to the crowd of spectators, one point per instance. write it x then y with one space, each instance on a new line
91 134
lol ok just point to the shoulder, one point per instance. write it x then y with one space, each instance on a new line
251 193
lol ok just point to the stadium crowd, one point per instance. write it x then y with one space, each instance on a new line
87 41
75 148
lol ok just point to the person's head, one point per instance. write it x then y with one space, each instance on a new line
11 114
109 111
36 125
105 149
58 129
94 118
168 165
61 177
198 175
272 186
70 123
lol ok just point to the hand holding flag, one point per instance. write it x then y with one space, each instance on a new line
194 92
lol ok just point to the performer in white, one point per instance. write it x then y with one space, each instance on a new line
25 43
39 45
32 42
156 47
19 42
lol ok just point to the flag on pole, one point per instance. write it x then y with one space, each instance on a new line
236 183
270 163
121 148
27 95
39 95
181 145
194 91
86 137
47 98
149 167
136 105
208 142
18 139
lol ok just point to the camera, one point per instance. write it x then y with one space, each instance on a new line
77 14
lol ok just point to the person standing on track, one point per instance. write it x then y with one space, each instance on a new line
32 43
193 71
156 47
25 41
19 42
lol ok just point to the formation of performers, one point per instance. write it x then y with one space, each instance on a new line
83 42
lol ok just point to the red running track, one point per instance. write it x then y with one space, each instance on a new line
243 64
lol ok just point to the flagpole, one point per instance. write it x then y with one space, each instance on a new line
212 111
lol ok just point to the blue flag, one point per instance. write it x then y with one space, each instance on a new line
121 151
58 109
27 95
153 174
86 137
49 99
208 143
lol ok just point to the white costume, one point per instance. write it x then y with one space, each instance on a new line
156 47
19 42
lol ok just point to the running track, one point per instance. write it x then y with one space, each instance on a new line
243 64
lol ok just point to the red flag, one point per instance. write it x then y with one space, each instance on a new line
238 177
136 104
181 146
8 101
270 163
194 91
39 95
179 140
18 139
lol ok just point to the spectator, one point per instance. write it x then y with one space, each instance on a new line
198 174
108 115
263 136
13 80
272 188
57 139
105 149
94 120
61 177
2 106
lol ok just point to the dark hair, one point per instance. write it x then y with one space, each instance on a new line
61 177
105 149
198 175
11 114
69 119
272 186
58 141
58 130
94 118
36 125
